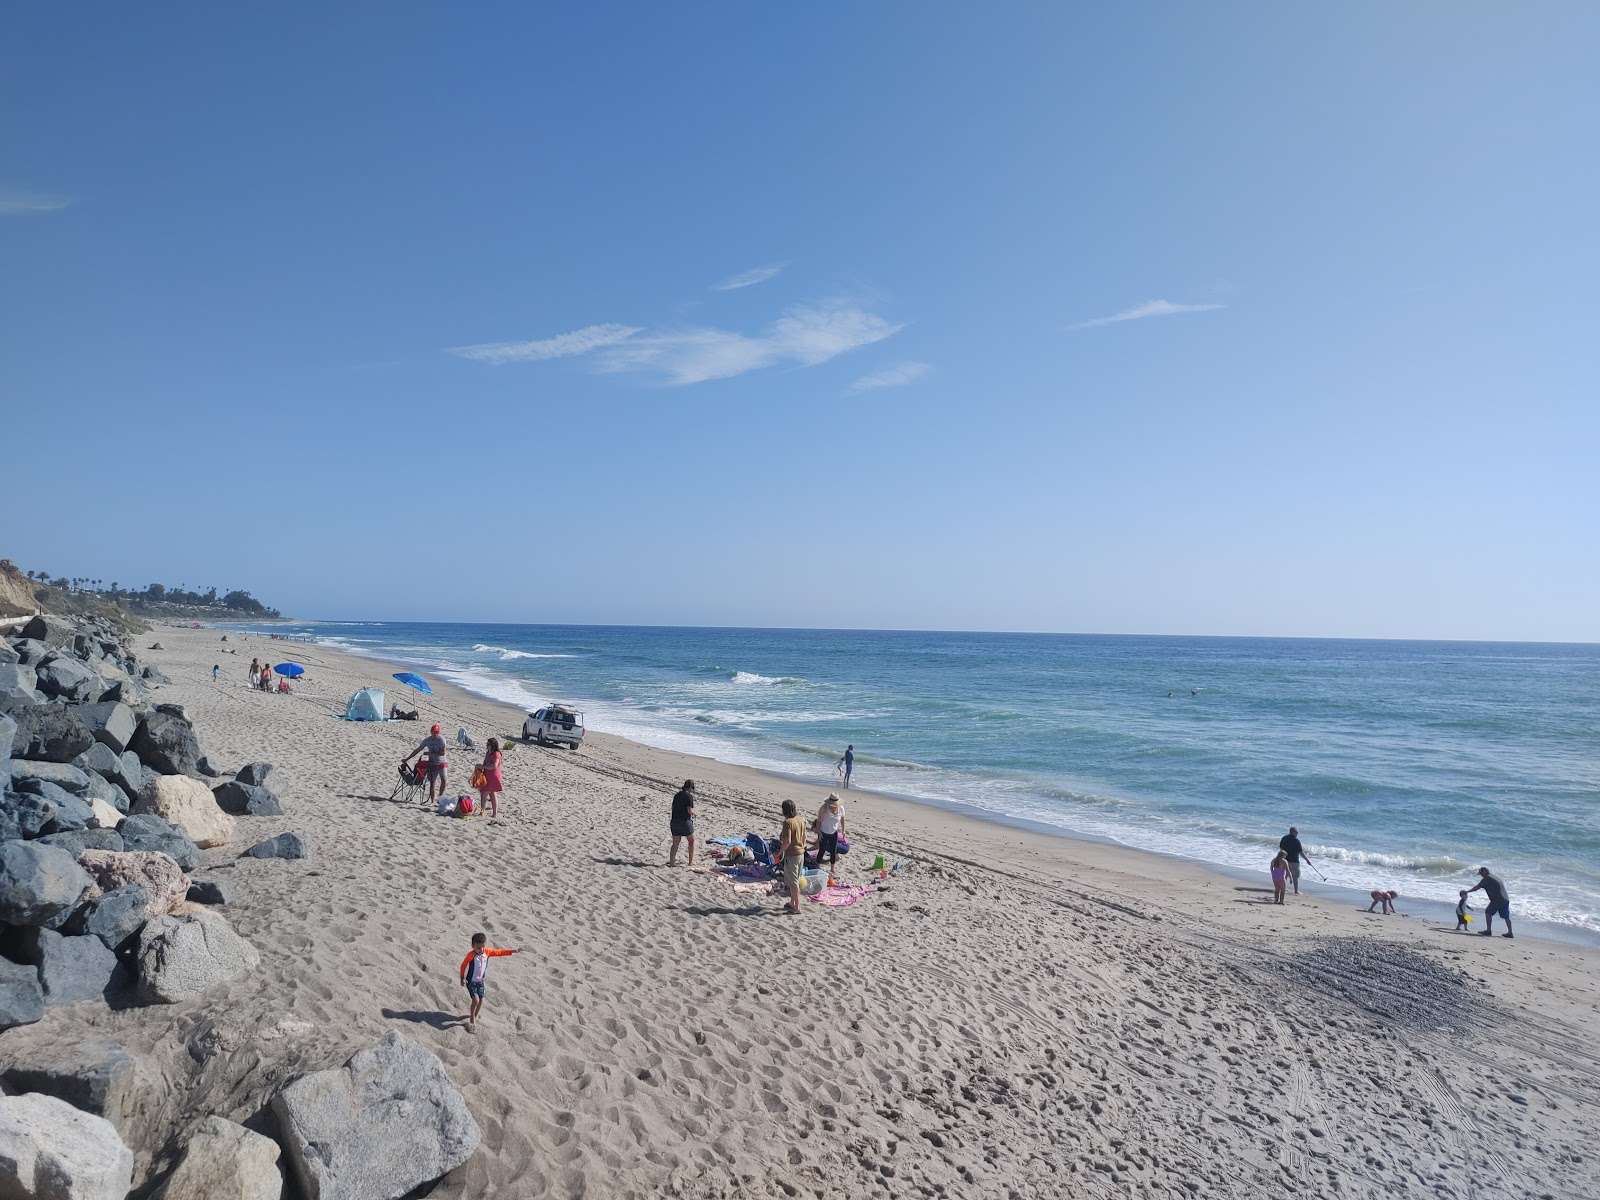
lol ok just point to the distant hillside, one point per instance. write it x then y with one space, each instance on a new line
22 592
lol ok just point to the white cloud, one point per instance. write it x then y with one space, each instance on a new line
804 336
1150 308
563 345
906 372
21 204
748 278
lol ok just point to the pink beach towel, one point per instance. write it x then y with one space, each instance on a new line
841 897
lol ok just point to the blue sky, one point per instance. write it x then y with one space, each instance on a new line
1236 319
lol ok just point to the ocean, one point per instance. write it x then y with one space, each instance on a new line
1404 764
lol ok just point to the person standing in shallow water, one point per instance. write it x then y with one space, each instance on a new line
847 764
681 823
1499 903
1294 852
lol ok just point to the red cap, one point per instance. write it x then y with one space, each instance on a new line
435 729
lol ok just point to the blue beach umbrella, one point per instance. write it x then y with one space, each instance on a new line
415 682
289 669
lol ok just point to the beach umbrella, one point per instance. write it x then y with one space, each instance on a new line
415 682
289 669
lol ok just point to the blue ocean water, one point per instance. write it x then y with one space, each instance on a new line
1404 764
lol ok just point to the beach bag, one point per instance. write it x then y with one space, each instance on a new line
464 806
447 806
480 778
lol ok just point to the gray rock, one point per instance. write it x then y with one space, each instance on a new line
32 651
111 722
255 774
244 800
51 1151
99 758
50 733
69 679
71 969
99 789
38 883
209 891
206 769
150 674
166 744
61 774
21 997
93 1074
133 773
149 832
182 957
385 1123
113 917
285 845
175 710
26 812
70 812
8 735
225 1161
8 655
56 631
76 841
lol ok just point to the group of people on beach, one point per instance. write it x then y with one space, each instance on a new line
1285 869
487 777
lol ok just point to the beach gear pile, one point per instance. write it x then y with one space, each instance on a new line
749 866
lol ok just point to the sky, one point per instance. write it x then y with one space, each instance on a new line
1256 319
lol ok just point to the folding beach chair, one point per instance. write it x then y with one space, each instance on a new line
412 786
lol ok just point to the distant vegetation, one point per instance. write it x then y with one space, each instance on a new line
69 593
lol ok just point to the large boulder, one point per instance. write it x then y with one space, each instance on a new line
255 774
76 841
112 724
56 631
62 774
247 800
69 679
285 845
146 831
25 812
225 1161
8 735
19 682
182 957
210 891
32 651
113 917
21 997
386 1122
133 775
71 969
187 803
105 811
52 1151
71 812
50 733
166 744
38 884
162 879
93 1074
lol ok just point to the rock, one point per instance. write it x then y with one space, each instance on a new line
105 812
99 758
76 841
8 655
8 735
21 997
209 891
285 845
166 744
51 1151
26 813
243 799
206 769
255 774
113 917
69 679
385 1123
160 877
50 733
38 883
111 722
56 631
152 675
62 774
71 969
70 812
32 651
188 804
181 957
146 831
133 773
94 1075
225 1161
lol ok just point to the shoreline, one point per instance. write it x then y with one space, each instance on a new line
1420 908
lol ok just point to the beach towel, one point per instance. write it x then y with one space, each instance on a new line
764 889
836 897
758 848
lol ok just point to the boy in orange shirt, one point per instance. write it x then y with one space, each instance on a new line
473 969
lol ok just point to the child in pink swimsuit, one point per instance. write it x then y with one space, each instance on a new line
1280 876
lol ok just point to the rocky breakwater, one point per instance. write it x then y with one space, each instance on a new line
106 811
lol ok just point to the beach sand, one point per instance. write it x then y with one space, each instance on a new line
1016 1015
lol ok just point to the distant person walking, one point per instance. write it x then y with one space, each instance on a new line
681 823
829 826
1294 851
438 767
493 781
791 854
216 672
1499 903
266 678
255 673
846 765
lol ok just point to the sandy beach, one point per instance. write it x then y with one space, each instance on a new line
1010 1015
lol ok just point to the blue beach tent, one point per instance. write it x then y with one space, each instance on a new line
365 705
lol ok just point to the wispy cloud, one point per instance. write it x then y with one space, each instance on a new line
563 345
906 372
749 278
14 203
803 336
1150 308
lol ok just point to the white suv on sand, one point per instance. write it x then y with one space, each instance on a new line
554 726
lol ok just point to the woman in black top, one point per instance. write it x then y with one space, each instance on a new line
682 821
